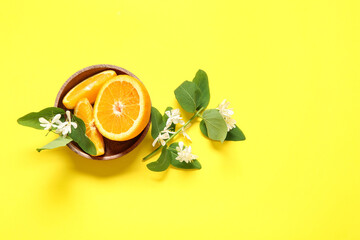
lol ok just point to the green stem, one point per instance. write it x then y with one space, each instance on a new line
199 115
176 133
50 130
152 153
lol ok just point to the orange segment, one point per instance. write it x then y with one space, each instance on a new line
88 88
122 108
84 111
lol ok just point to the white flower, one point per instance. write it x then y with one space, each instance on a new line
183 129
226 113
163 135
230 123
65 127
224 110
47 125
174 117
184 153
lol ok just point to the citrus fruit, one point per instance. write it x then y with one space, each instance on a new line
84 110
122 108
88 88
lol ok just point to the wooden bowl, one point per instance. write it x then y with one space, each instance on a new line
113 149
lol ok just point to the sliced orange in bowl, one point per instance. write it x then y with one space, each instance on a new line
84 111
122 108
88 88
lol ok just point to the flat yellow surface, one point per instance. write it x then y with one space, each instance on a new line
291 70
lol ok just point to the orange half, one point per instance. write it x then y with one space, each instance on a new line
122 108
84 111
88 88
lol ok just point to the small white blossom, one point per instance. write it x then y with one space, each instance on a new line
227 113
65 127
184 153
230 123
174 117
47 125
184 133
224 110
163 135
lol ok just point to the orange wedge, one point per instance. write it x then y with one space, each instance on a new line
122 108
88 88
84 111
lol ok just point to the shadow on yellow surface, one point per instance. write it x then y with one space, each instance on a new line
108 168
127 163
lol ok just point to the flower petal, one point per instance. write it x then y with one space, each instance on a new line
189 149
168 122
56 118
74 124
155 141
68 115
186 135
181 145
165 135
43 120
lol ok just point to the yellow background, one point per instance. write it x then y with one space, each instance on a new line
290 70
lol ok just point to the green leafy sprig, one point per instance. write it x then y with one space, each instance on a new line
77 134
193 97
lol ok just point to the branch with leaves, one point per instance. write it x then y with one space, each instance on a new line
56 120
216 124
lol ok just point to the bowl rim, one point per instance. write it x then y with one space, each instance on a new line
79 151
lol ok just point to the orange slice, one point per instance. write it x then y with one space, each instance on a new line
88 88
122 108
84 111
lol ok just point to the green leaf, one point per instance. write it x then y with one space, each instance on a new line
234 134
32 119
58 142
201 80
157 123
162 163
173 146
187 94
195 164
215 125
165 118
203 128
78 135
